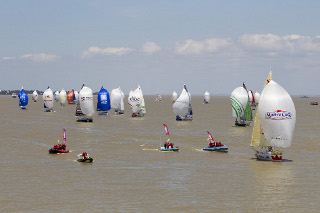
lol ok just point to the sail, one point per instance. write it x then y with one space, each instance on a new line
166 129
248 113
35 95
251 97
181 106
143 104
56 96
116 99
174 96
86 101
63 97
210 136
64 136
76 96
258 138
206 97
239 99
23 98
70 97
103 103
136 101
257 97
48 98
278 115
121 108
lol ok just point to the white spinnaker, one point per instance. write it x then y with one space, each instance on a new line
35 95
56 96
257 97
180 107
115 98
121 101
76 95
239 99
277 115
135 101
207 96
48 98
63 97
86 101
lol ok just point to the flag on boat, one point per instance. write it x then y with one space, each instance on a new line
64 136
210 136
166 129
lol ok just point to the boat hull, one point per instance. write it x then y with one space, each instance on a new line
86 160
218 149
56 151
84 119
174 149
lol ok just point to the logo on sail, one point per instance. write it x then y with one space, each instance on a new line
278 115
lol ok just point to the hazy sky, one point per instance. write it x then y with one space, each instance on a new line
209 45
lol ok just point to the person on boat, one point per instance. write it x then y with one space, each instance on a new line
63 146
165 145
84 154
211 144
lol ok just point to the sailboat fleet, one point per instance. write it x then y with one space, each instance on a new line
274 121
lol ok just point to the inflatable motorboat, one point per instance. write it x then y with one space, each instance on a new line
84 158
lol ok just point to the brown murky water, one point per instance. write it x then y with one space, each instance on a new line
129 174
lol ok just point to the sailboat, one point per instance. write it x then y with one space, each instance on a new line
277 118
159 98
48 100
71 97
56 96
168 146
174 96
241 107
215 146
103 104
182 107
116 99
23 99
136 102
35 96
63 97
60 148
206 98
86 104
252 100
